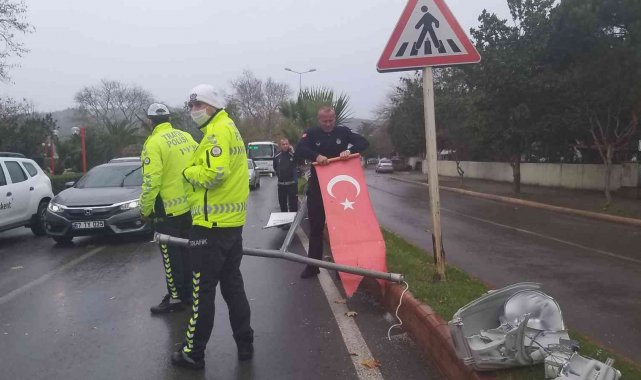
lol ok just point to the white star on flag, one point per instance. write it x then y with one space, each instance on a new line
347 204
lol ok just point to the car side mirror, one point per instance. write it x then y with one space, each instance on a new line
69 184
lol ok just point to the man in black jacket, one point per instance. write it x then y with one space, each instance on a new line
285 168
319 144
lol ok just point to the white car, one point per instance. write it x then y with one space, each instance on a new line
25 192
254 175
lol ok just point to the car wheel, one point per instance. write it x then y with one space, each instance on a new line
38 223
258 184
62 239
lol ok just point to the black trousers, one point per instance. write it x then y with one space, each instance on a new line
175 259
288 197
316 214
216 255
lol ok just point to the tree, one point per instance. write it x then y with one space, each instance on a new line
404 116
22 129
599 74
507 112
12 20
302 113
258 102
117 111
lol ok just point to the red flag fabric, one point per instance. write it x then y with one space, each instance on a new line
354 234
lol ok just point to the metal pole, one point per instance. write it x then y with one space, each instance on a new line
393 277
432 173
302 210
52 164
83 131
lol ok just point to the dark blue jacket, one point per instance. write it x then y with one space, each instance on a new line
329 144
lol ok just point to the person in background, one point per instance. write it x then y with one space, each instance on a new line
285 168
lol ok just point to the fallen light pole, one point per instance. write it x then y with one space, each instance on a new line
284 254
281 254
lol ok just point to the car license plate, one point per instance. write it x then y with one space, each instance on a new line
88 224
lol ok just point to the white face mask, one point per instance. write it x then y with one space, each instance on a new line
199 117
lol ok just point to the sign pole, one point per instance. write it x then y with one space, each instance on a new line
426 35
432 173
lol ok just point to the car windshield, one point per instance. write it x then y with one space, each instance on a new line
260 151
112 176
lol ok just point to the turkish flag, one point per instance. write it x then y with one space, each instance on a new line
354 234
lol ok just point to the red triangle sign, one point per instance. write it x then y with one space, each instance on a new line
427 34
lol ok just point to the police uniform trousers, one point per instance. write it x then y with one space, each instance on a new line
176 261
216 254
288 197
316 214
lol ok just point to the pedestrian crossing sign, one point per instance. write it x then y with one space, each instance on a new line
427 34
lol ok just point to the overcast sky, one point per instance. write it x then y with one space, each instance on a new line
167 47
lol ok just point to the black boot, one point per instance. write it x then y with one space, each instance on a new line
245 350
167 305
181 359
310 271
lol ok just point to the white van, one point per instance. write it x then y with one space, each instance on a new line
263 153
25 192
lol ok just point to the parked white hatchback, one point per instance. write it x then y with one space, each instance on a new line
25 192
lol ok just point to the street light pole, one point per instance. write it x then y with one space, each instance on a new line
300 76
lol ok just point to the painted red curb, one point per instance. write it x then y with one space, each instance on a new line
428 330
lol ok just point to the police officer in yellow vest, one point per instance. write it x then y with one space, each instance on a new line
163 200
217 183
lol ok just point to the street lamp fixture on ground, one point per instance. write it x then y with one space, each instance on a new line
300 76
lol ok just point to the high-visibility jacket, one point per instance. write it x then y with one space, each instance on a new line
164 156
217 176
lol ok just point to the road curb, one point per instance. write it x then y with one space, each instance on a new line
545 206
428 330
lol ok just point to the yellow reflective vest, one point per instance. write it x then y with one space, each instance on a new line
217 176
164 156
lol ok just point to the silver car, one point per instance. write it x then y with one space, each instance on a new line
384 166
254 175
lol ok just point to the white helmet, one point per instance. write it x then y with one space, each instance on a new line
205 93
158 109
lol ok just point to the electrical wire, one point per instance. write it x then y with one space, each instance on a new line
400 302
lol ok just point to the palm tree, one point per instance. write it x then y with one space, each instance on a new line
302 112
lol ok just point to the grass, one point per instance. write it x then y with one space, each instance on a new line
447 297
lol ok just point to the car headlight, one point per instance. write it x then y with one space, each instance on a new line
54 207
130 205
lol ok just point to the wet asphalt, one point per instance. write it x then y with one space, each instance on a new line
592 268
82 312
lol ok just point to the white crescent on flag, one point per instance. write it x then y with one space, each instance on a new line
342 178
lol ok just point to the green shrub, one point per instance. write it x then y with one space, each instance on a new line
58 181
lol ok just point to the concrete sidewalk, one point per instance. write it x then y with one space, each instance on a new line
590 201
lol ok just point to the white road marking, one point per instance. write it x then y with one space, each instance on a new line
598 251
352 336
14 293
